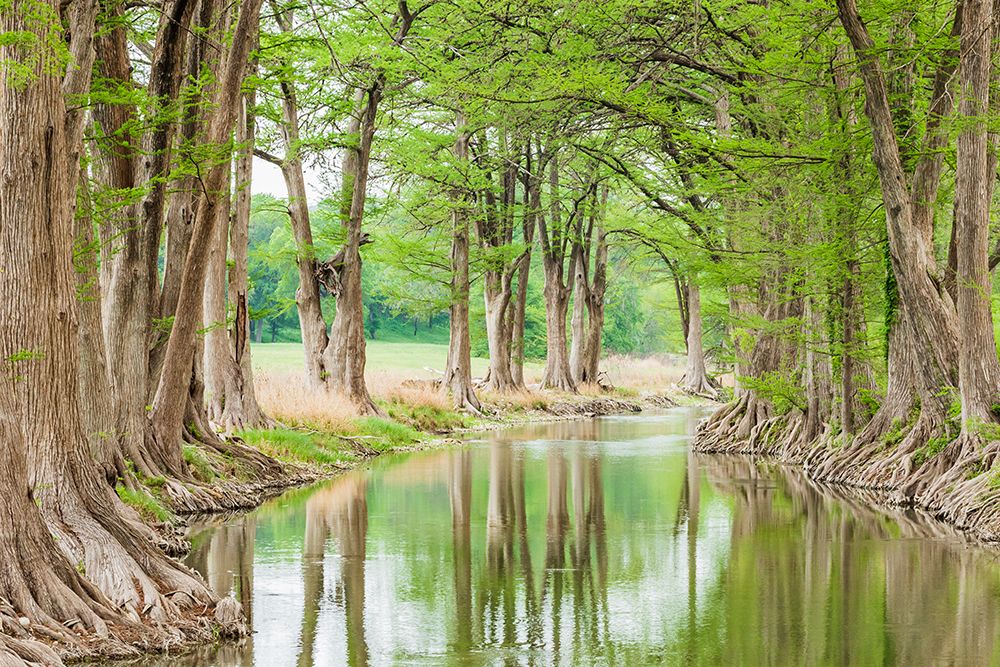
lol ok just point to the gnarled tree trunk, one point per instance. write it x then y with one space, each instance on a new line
345 352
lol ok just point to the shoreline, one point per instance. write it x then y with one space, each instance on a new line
968 504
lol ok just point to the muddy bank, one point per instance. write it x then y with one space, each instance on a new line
957 484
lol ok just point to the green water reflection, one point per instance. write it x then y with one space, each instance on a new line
601 542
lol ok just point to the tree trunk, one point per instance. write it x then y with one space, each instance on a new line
696 380
557 371
241 410
216 359
595 309
497 296
556 292
533 204
458 373
172 394
345 351
58 479
979 371
932 325
129 269
578 322
96 407
307 296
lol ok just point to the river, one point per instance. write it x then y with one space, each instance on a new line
593 542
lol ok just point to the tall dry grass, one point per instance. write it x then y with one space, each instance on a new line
656 373
285 397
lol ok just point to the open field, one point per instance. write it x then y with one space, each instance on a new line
391 362
413 358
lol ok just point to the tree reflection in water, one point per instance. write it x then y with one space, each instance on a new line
597 542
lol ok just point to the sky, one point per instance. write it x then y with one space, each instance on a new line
267 179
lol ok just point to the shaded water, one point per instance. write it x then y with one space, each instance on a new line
594 542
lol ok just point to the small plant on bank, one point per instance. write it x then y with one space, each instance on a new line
145 503
199 463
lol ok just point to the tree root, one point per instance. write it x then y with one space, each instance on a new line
958 484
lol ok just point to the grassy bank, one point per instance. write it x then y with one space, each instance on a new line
319 434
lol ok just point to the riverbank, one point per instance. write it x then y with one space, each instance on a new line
315 437
956 481
319 436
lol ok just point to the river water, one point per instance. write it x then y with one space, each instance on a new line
602 542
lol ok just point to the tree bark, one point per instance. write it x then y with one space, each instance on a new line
307 296
96 407
458 373
48 467
598 290
533 205
931 320
129 268
696 380
979 371
172 394
345 352
241 410
215 358
557 294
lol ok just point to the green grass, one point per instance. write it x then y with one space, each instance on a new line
199 462
381 356
426 418
317 447
143 502
302 446
390 433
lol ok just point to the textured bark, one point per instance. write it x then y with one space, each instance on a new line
345 352
979 371
497 292
495 227
595 309
241 410
458 372
129 269
216 362
533 204
578 320
172 394
556 292
932 326
588 303
96 406
307 296
696 380
48 464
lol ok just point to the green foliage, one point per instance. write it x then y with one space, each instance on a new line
783 392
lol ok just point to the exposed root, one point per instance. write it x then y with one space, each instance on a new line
959 484
704 387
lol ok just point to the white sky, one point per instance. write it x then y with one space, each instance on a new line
267 179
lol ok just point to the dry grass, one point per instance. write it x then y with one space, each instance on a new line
655 374
421 404
397 388
524 399
284 397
